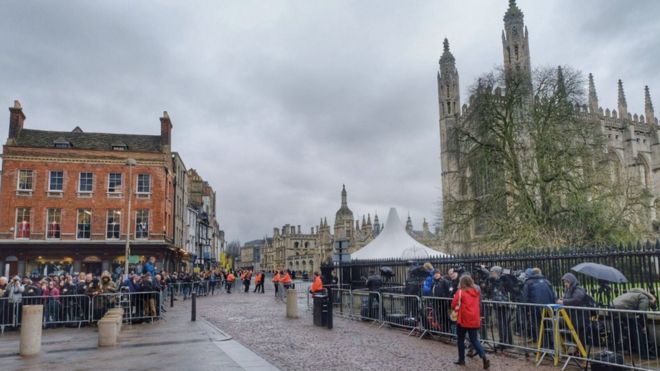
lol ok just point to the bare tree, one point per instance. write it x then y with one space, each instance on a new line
534 169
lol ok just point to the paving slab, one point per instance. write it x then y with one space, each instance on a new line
173 343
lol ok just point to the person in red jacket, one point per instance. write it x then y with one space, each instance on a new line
467 303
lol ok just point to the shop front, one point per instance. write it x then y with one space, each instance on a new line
40 260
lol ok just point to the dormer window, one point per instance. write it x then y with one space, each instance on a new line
119 147
61 143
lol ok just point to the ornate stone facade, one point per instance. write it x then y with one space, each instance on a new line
633 141
291 249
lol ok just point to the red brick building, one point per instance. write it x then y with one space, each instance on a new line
64 199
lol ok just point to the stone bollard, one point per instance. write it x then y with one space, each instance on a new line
115 317
107 332
291 304
31 327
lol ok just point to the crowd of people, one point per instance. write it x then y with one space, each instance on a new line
78 298
460 290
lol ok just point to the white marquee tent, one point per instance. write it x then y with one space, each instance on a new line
394 242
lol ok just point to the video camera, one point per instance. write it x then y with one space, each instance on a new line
386 272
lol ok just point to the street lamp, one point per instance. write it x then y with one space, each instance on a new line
130 163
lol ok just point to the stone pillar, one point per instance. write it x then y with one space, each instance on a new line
107 332
291 304
76 265
31 326
105 266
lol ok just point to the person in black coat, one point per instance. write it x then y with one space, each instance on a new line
374 283
147 286
576 296
441 290
536 290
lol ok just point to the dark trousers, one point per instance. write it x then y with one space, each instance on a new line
474 340
630 334
503 325
277 287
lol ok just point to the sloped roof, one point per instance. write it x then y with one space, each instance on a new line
394 242
81 140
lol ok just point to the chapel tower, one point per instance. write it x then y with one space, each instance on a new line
450 108
515 42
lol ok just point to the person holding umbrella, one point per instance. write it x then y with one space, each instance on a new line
604 274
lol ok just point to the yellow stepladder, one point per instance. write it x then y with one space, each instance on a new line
552 314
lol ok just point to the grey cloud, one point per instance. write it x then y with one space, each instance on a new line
279 103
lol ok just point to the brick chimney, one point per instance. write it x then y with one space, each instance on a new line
165 130
16 120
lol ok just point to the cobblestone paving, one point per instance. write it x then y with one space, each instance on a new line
258 321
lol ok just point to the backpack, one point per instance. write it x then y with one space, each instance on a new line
589 301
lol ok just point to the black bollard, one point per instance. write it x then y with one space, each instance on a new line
193 314
171 297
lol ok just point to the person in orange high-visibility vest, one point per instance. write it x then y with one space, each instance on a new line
276 282
230 281
286 280
317 285
259 282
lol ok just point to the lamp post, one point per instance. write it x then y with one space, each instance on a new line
130 163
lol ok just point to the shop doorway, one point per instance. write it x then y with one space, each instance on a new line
93 268
11 267
91 264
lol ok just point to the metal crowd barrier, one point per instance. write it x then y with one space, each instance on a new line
78 310
333 288
623 338
7 314
200 288
615 337
341 301
366 305
401 310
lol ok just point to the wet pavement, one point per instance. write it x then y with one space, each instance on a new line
171 344
258 321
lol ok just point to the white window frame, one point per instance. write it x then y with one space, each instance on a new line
16 229
115 193
148 224
81 192
89 211
20 191
107 220
137 183
57 192
48 223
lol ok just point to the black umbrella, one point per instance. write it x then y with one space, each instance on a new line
601 272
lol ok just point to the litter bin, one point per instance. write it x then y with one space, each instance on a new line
322 312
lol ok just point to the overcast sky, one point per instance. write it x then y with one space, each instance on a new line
278 103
